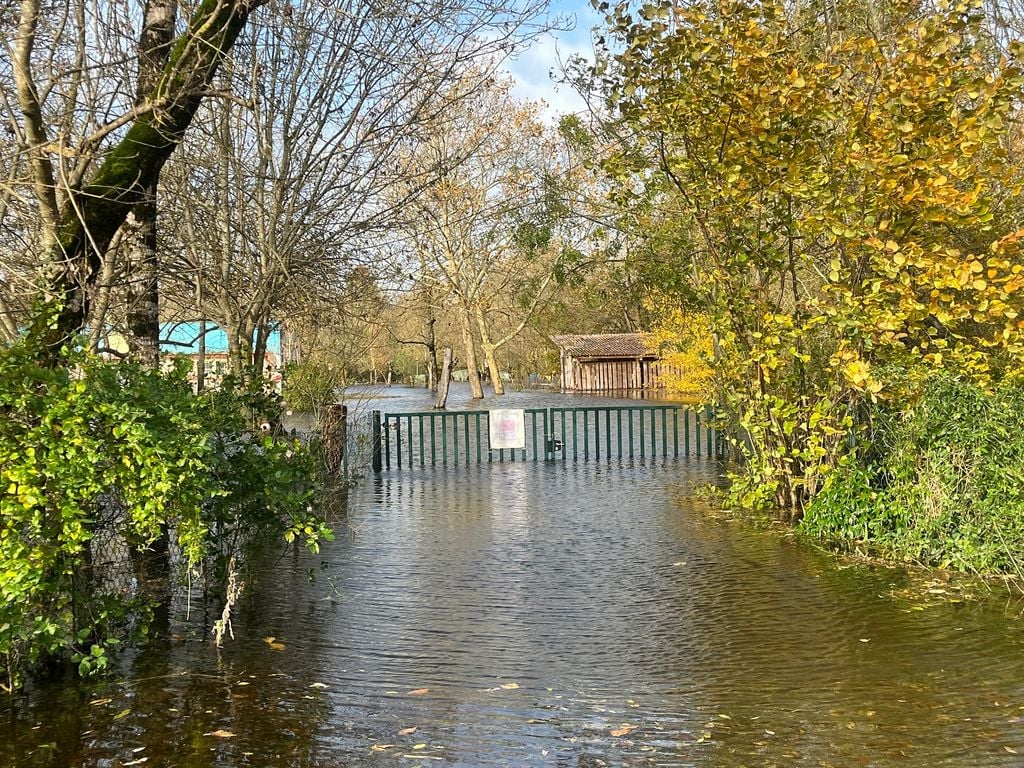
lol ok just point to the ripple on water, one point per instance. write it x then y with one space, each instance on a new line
560 614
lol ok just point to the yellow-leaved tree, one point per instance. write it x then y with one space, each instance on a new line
850 205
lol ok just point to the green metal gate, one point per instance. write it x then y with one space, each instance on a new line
443 438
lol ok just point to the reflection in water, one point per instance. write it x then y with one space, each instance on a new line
553 614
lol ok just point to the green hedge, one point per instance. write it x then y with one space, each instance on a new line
941 483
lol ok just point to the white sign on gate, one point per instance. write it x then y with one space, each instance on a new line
507 427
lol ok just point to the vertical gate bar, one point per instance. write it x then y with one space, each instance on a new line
629 416
586 434
608 433
654 433
597 434
375 436
709 429
477 414
444 441
664 432
420 427
618 430
408 428
455 439
397 439
433 438
686 432
565 444
547 444
675 432
387 444
575 453
696 429
533 431
643 441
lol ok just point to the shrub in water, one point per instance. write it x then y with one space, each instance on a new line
98 461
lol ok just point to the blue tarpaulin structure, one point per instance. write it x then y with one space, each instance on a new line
183 339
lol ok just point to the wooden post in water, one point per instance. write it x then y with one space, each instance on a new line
333 431
446 379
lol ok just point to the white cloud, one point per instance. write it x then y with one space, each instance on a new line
538 70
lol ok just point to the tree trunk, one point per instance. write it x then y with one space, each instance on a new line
475 387
143 293
158 21
259 354
489 348
97 211
445 380
432 372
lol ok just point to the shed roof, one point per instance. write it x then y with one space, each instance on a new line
628 345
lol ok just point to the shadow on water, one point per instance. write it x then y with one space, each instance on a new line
575 614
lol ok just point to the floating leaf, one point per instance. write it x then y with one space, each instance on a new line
509 686
220 733
407 731
419 692
273 645
625 730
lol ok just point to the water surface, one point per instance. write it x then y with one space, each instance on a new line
575 614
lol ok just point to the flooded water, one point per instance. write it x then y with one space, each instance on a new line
576 614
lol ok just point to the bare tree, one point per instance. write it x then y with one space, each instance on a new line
292 187
87 172
487 230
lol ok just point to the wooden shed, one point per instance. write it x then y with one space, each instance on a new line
607 362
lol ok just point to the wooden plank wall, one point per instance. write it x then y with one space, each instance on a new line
609 375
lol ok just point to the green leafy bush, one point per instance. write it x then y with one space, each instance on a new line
97 455
310 385
941 483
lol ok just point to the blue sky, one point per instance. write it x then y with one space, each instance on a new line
531 69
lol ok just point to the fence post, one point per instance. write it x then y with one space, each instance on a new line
375 441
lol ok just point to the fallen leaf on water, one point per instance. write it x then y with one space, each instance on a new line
122 713
1011 750
140 761
724 717
419 746
509 686
865 640
99 702
623 731
419 692
381 747
317 685
407 731
681 562
220 733
273 645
